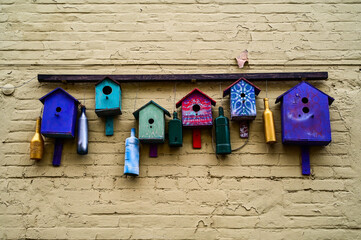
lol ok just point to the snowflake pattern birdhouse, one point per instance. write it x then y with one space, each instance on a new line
108 102
305 119
242 103
196 113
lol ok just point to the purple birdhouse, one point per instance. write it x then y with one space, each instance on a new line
196 113
305 119
60 112
59 118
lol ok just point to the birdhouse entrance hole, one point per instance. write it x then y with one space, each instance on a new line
58 109
151 121
243 95
107 90
196 108
305 100
305 109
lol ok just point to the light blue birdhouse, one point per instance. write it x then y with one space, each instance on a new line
108 102
243 103
243 99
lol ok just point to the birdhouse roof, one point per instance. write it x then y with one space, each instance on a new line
228 89
136 113
193 91
108 78
330 99
62 90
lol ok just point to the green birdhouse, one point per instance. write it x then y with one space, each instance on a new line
151 123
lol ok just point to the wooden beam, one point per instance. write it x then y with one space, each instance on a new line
84 78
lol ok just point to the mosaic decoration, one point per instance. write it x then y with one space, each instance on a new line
243 101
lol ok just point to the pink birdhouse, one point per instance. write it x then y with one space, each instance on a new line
196 113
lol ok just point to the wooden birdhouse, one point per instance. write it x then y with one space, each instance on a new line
305 119
151 125
196 113
243 103
108 102
59 118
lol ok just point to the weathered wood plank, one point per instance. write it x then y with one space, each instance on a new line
287 76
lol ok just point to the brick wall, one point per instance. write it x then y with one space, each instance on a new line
255 193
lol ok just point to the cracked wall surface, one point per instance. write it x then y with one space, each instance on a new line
257 192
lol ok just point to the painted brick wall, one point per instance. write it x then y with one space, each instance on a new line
255 193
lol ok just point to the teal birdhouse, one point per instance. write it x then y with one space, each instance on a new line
108 102
151 125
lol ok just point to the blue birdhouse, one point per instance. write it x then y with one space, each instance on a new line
59 119
243 103
243 99
59 115
305 119
151 125
108 102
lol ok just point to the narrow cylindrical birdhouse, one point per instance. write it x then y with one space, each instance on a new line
59 119
223 137
131 163
196 113
269 125
175 134
243 103
151 125
37 143
82 147
108 102
305 119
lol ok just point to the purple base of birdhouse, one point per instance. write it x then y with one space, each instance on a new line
153 150
305 154
243 129
58 148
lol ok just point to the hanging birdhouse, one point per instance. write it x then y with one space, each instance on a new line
196 113
108 102
243 103
151 125
59 119
305 119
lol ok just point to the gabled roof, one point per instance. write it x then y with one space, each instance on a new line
59 89
108 78
228 89
136 113
330 99
193 91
